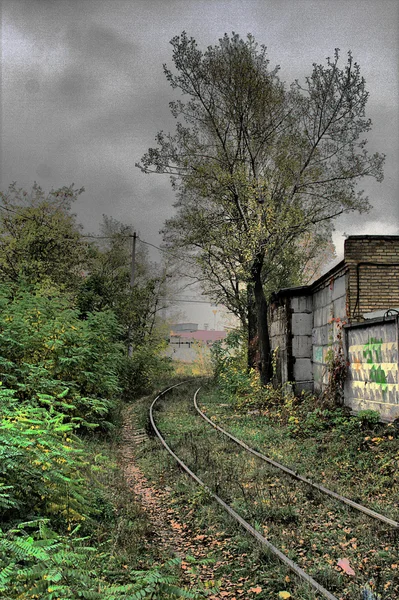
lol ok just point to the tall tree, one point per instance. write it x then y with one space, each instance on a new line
257 166
40 240
108 286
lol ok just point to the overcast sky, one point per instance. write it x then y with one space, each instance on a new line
83 92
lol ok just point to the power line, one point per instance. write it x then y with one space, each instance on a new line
184 300
166 250
192 262
110 237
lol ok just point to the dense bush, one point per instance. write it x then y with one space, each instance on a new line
138 372
41 465
37 562
237 384
63 369
51 357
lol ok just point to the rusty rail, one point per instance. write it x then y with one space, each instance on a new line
317 486
260 538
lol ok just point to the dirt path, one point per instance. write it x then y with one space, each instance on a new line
171 536
153 501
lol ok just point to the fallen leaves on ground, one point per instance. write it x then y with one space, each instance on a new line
345 566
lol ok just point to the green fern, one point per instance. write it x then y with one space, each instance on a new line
42 564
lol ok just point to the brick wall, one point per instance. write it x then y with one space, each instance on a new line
373 280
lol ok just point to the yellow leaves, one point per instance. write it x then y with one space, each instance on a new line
377 440
284 595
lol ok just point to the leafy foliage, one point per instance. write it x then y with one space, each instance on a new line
66 309
43 564
53 357
41 464
40 240
138 372
258 169
107 285
240 387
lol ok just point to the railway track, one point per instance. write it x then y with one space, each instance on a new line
321 488
211 479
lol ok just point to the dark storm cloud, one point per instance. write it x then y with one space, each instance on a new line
135 116
96 55
101 45
85 93
75 89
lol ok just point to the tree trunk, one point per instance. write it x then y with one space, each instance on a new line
259 351
265 362
253 338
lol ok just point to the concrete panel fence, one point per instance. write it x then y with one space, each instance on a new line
373 372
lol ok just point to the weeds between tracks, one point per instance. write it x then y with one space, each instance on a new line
313 531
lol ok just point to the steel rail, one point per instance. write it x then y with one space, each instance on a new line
317 486
260 538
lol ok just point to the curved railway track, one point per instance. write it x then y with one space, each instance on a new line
317 486
317 587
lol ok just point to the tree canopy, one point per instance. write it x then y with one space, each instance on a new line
258 167
40 240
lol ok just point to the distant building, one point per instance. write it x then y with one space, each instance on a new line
184 327
185 341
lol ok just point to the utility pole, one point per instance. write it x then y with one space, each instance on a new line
132 278
133 267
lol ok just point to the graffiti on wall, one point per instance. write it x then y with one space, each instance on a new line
373 355
373 376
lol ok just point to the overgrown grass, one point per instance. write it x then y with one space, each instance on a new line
313 530
356 456
237 557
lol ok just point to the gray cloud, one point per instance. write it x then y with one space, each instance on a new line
100 44
84 93
75 89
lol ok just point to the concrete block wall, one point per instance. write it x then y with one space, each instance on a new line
304 327
279 338
373 284
329 302
301 309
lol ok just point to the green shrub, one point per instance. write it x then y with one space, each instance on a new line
41 465
367 419
138 372
51 357
36 562
238 385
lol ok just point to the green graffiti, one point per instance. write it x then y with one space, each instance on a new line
378 376
373 346
372 353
